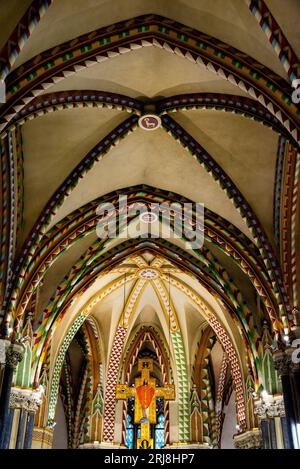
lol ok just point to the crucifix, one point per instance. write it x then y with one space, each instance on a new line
145 393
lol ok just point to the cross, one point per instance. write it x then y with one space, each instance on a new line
145 393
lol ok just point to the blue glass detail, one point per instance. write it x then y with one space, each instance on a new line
160 432
129 433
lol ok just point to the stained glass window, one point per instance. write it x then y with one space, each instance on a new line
129 433
160 432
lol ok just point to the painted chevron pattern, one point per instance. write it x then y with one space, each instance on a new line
183 393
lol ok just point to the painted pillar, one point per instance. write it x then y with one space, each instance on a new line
270 411
295 366
288 370
29 430
22 421
23 404
13 355
295 385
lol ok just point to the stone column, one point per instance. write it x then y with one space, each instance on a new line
272 421
22 407
13 355
288 370
250 439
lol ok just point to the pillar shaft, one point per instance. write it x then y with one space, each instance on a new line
270 412
20 436
4 404
289 370
289 410
12 354
29 431
24 402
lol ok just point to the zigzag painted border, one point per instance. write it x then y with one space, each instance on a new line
144 31
21 34
276 37
240 105
243 207
63 100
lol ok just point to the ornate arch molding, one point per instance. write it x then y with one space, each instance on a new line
286 215
261 239
277 39
39 229
246 107
91 391
218 174
36 75
23 271
74 99
20 35
202 383
82 317
119 339
209 164
84 278
59 101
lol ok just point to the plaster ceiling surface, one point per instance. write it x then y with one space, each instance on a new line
147 315
150 72
53 145
245 149
68 19
156 159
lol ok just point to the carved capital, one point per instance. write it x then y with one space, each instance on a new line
270 407
26 399
250 439
282 361
14 355
287 361
4 346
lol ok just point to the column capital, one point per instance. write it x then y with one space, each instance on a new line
27 399
288 361
14 354
270 407
250 439
282 361
4 346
